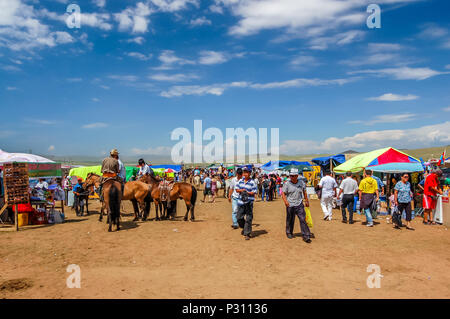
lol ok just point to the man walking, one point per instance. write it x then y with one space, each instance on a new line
295 198
233 197
349 187
367 190
246 188
328 185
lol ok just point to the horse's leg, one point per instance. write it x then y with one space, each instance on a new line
110 220
136 210
146 209
157 207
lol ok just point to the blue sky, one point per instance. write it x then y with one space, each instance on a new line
136 70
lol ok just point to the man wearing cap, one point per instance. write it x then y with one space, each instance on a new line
122 172
295 198
246 188
110 170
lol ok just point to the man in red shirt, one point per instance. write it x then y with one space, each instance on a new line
431 189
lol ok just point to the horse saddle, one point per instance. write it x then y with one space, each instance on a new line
165 187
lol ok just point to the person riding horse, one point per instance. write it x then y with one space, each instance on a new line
111 170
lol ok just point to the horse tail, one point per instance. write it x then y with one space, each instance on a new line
114 203
193 196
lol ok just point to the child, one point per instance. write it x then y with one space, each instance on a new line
392 204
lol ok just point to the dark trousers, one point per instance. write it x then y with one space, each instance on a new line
407 208
245 217
298 211
347 202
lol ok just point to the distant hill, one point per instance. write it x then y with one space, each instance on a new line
350 152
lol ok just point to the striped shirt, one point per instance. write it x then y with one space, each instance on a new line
250 187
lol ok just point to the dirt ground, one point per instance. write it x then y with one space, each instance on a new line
208 259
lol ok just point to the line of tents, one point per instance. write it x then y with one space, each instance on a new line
384 160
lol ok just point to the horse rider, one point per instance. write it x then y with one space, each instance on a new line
111 170
144 169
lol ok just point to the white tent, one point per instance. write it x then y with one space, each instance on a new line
6 157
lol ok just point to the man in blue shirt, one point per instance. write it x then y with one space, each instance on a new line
207 191
379 183
78 201
246 188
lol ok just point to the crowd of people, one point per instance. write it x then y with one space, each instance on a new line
351 193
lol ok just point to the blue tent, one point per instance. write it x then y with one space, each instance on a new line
273 165
324 162
176 168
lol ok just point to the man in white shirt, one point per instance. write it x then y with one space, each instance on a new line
349 187
41 187
233 197
328 185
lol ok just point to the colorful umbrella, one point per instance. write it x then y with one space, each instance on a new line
385 160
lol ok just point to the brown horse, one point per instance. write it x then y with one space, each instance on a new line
183 190
112 196
136 192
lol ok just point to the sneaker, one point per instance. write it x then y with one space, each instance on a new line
289 236
325 218
370 225
234 226
307 240
352 222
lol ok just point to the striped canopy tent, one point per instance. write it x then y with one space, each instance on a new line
385 160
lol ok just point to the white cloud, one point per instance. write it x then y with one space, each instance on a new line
432 31
94 20
303 61
219 89
200 21
394 97
174 5
160 150
138 40
173 77
446 109
40 122
95 125
94 99
216 9
170 60
134 19
11 88
212 57
140 56
403 73
387 118
384 47
20 28
72 80
124 78
99 3
105 87
425 136
51 148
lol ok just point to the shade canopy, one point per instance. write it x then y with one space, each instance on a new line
301 168
385 160
84 171
325 161
273 165
176 168
6 157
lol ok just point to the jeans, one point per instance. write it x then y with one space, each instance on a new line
245 217
234 209
265 193
347 202
368 213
